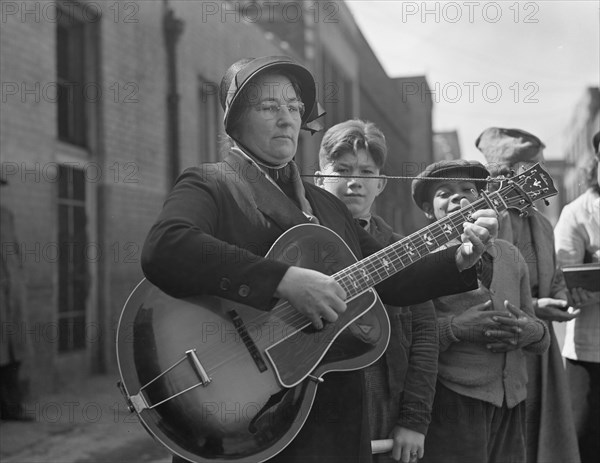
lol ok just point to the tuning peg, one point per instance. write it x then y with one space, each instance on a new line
523 214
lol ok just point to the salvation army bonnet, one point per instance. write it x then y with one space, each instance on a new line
240 74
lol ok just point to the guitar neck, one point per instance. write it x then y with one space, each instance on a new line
372 270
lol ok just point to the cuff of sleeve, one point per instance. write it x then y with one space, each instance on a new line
257 291
469 277
542 345
446 335
415 422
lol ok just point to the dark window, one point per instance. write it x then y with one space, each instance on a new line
72 265
336 92
209 124
71 79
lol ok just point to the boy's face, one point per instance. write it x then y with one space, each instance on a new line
357 193
445 197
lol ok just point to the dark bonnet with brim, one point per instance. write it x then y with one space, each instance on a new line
241 73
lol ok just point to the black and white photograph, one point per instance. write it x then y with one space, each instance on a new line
299 231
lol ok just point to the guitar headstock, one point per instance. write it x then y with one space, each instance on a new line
519 192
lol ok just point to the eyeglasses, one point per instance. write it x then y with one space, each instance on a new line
270 109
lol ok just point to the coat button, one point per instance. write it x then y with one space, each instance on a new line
225 284
244 290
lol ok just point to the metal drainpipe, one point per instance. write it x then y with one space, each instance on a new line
172 30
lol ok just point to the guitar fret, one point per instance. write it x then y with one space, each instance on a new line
410 252
429 239
387 260
376 268
448 229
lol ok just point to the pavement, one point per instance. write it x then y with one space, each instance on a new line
86 422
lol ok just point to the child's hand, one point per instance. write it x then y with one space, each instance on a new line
582 297
556 310
517 330
408 444
473 323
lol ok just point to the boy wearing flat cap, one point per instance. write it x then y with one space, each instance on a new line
479 407
550 430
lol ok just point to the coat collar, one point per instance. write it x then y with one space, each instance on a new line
321 202
269 199
382 231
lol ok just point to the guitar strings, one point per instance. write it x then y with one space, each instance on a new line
291 316
288 314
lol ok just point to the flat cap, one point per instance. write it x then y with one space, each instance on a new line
505 147
458 168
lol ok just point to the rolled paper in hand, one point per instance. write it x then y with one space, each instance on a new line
382 446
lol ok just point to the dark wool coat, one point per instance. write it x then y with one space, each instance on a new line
548 408
215 225
411 359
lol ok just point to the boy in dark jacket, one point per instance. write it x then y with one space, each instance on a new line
401 383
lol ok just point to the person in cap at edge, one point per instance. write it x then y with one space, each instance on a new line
550 427
220 219
577 241
482 373
14 348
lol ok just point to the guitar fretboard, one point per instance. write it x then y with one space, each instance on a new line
368 272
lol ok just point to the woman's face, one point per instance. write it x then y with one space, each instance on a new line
270 124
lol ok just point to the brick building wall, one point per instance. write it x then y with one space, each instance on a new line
126 159
27 144
125 163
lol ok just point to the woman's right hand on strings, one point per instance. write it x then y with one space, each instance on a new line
315 295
